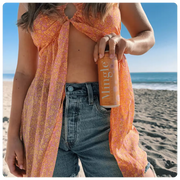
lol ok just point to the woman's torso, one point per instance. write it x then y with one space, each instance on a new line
81 65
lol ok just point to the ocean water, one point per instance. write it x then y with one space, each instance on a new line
155 81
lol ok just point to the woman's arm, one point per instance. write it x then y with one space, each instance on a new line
25 71
137 23
141 31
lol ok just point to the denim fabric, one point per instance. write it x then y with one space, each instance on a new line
84 134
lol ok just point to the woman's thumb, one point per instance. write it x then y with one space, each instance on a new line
20 159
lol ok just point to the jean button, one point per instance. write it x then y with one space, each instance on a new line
70 88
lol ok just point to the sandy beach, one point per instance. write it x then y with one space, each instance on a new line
155 119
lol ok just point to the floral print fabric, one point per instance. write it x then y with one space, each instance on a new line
42 111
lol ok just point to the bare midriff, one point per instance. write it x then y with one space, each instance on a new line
81 66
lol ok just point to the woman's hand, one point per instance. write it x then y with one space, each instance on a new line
117 45
15 157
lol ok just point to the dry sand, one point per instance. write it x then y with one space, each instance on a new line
155 119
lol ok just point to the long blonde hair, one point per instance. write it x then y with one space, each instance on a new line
27 19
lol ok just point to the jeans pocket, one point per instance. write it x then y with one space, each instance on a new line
100 109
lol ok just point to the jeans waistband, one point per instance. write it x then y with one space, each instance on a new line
83 89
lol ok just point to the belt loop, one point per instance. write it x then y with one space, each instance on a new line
90 93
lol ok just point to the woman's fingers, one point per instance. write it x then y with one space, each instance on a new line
100 48
13 168
111 40
96 52
102 45
20 158
15 157
117 46
112 46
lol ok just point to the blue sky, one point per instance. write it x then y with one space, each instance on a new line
161 58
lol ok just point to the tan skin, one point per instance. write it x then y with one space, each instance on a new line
81 67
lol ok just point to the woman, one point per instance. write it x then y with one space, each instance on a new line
55 116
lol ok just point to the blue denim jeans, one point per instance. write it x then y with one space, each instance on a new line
84 134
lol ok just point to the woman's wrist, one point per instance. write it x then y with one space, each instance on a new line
13 131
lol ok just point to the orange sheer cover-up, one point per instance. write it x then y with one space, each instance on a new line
43 105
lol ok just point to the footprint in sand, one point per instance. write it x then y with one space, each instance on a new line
148 147
169 164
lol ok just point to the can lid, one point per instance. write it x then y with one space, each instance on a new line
107 48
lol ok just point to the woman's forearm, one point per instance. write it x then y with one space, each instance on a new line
21 84
142 42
